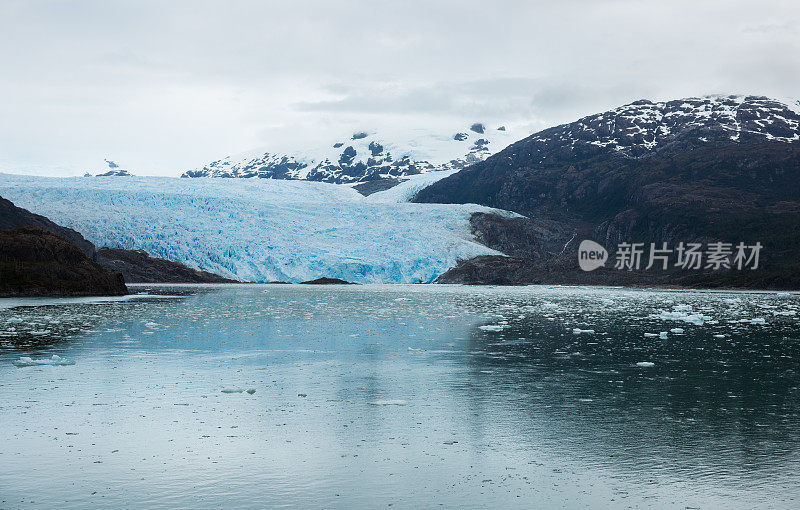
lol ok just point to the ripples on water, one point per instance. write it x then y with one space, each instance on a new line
408 396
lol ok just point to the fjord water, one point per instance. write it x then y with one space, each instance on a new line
410 396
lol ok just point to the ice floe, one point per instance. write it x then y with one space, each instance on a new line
683 313
389 403
238 390
54 360
493 327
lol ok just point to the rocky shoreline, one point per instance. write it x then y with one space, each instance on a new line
37 262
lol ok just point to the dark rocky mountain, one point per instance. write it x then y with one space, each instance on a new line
139 267
37 262
700 169
12 217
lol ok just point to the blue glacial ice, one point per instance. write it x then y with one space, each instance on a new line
260 229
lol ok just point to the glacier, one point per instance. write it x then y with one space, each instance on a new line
262 230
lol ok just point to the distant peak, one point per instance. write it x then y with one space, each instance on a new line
362 156
642 126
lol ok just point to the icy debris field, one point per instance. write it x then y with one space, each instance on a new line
268 396
260 229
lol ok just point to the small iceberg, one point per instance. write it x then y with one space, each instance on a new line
645 364
680 313
54 360
493 327
578 331
238 390
388 403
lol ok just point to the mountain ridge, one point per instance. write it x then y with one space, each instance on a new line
365 156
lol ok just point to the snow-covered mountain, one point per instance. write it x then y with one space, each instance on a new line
261 229
366 155
642 127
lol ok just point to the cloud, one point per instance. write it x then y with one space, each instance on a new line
167 86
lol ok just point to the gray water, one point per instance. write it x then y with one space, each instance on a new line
404 396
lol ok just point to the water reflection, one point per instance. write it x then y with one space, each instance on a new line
492 397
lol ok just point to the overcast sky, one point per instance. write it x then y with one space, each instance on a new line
161 87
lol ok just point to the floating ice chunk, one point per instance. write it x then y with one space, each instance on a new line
55 360
493 327
578 331
411 349
389 403
645 364
232 390
676 330
758 320
694 318
719 336
651 335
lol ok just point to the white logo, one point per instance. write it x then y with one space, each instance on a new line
591 255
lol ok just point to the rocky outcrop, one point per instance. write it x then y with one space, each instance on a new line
139 267
328 281
37 262
499 270
369 187
538 252
519 236
115 172
12 217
